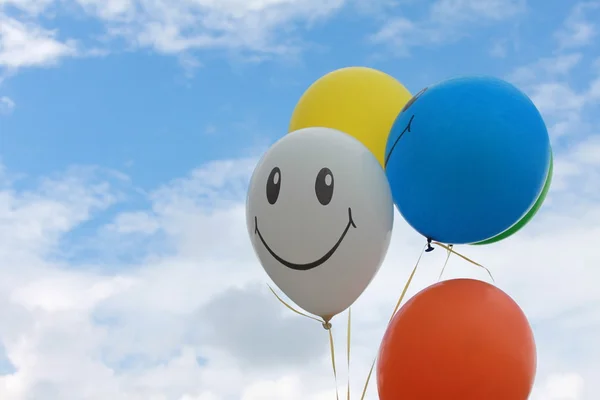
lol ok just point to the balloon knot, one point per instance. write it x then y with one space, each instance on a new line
326 325
429 248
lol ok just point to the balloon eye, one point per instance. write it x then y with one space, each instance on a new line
273 185
324 186
412 101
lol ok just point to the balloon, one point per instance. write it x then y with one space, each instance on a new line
320 213
458 339
466 159
530 214
363 102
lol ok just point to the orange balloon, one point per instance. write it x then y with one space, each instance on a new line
459 339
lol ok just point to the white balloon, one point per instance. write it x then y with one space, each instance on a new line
320 214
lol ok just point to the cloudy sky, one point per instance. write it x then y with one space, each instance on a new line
129 130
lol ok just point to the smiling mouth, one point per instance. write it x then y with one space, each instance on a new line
407 129
310 265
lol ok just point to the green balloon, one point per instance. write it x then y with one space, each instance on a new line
530 214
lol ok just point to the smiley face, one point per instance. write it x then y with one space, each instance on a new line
319 215
324 186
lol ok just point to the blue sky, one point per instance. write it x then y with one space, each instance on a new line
128 132
135 109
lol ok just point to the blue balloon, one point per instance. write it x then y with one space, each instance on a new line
467 158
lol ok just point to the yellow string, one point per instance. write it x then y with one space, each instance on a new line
332 348
445 263
451 250
327 326
348 348
293 309
368 379
408 282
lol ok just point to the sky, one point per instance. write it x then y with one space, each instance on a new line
128 133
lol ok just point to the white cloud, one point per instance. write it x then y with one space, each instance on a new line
558 66
167 26
29 6
135 222
286 388
7 105
498 49
580 28
177 26
594 91
25 44
465 10
551 82
562 387
261 28
551 97
445 22
196 321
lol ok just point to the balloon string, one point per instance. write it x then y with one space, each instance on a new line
327 325
445 263
293 309
451 250
348 348
368 379
332 349
408 282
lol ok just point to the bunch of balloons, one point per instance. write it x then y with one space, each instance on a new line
465 161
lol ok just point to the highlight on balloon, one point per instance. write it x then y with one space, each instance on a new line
466 161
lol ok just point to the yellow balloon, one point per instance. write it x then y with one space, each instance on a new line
362 102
